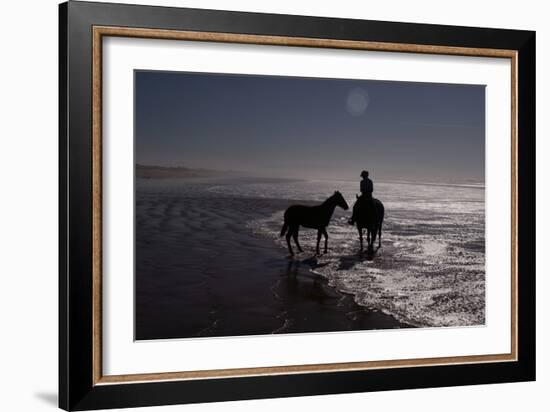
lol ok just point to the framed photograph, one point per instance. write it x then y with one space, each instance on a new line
257 206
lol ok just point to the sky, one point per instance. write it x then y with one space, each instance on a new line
309 127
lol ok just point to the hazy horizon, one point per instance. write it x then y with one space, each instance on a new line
252 174
311 128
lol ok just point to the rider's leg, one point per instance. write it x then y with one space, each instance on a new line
354 213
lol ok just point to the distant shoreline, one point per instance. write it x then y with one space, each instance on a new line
167 172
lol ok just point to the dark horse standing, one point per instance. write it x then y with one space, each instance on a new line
313 217
370 216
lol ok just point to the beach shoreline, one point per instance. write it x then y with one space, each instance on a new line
182 244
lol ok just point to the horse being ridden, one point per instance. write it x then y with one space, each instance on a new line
313 217
366 194
369 215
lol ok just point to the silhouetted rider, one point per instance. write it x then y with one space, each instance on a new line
366 185
366 188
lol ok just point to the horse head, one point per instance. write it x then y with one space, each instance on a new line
340 201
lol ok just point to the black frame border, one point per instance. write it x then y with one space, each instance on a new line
76 388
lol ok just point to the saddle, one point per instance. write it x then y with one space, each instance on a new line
365 203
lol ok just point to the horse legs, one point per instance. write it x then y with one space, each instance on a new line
325 234
295 237
368 238
360 230
288 235
373 237
318 241
380 236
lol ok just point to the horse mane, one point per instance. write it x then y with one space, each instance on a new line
330 198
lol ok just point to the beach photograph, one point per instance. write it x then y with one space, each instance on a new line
276 205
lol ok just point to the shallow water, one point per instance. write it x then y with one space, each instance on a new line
428 272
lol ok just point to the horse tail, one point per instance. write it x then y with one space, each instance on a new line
284 228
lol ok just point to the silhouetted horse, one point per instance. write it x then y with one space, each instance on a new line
313 217
370 216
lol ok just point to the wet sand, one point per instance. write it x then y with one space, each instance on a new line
201 271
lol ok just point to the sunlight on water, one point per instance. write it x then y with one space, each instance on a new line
430 270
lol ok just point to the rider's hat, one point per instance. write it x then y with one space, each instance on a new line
364 173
